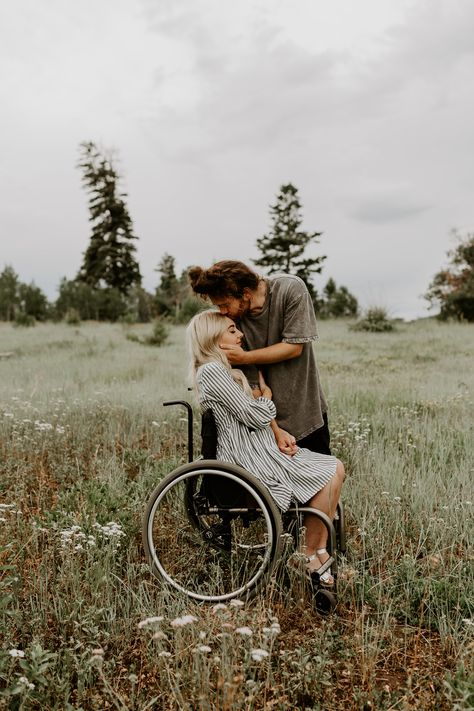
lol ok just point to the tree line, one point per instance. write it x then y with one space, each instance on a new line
108 284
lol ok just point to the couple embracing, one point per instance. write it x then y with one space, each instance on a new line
253 365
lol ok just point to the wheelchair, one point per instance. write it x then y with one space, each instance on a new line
212 531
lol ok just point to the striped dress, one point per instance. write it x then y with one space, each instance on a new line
244 437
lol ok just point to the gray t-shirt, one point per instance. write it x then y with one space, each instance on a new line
288 316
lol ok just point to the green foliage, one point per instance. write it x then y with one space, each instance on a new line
374 320
109 260
97 304
337 302
158 336
174 298
22 303
33 301
452 289
22 319
283 248
9 296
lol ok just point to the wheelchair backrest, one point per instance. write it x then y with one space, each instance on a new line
219 490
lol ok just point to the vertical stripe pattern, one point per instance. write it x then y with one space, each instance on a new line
244 437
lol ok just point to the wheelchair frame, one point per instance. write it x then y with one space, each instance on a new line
212 531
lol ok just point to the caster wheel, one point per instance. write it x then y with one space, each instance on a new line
324 601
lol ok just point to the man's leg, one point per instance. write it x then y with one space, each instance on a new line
319 440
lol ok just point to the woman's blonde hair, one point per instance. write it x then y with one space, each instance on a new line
203 334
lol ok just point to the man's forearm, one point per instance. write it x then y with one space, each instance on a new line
273 354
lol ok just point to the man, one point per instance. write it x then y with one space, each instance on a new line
277 318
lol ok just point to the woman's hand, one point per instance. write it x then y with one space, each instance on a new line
286 443
256 392
265 390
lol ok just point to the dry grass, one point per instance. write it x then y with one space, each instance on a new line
84 440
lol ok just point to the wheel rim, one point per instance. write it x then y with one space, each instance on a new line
214 555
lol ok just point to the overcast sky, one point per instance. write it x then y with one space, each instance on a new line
367 107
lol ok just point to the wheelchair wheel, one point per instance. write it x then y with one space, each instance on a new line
212 531
324 601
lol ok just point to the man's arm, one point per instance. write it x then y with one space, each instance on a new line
262 356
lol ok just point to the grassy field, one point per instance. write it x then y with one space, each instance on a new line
84 440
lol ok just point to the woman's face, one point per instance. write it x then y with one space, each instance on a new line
231 336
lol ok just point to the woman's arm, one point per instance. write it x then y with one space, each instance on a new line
216 383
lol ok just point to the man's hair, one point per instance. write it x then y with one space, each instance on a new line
225 278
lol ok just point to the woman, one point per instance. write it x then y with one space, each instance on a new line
245 437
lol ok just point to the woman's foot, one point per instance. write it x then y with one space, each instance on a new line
315 562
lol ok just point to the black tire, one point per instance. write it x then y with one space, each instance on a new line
215 552
325 601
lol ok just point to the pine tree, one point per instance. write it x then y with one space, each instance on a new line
109 260
283 248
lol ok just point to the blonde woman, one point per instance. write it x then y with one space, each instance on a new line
245 437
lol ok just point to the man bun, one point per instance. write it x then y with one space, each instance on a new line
225 278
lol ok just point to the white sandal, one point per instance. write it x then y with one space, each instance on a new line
324 571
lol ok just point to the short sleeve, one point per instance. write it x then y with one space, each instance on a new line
299 320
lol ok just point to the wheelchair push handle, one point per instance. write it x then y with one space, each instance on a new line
188 407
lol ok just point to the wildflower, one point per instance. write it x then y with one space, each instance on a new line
184 620
236 603
219 606
468 622
468 503
150 621
202 635
396 498
204 648
29 685
274 629
259 655
16 653
244 631
98 652
155 424
164 654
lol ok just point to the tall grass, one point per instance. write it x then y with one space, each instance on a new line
83 441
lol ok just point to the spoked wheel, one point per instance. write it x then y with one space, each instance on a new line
212 531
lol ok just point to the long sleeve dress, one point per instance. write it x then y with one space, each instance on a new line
244 437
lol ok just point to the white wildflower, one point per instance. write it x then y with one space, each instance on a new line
259 655
150 621
219 606
16 653
204 648
183 621
164 654
236 603
244 631
29 685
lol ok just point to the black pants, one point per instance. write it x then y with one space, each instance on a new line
319 440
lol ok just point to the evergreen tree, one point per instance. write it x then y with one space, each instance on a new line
109 260
33 301
453 288
337 301
167 295
9 293
283 248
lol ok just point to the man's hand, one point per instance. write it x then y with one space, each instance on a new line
286 443
235 354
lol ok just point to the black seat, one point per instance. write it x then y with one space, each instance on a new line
218 490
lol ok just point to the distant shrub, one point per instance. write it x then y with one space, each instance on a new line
158 336
72 317
22 319
375 320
